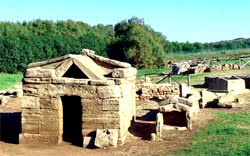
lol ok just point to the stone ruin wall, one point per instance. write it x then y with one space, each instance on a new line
148 91
207 68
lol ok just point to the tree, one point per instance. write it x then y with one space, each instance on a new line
137 44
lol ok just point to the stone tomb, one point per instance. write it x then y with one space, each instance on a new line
225 84
70 97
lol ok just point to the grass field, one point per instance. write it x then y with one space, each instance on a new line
176 57
8 81
196 79
228 135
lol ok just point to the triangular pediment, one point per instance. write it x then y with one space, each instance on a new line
83 66
79 66
75 72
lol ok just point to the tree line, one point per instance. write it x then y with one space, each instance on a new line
129 40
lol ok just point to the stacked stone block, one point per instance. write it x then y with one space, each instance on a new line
149 91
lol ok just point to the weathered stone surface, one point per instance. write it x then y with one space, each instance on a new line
19 93
185 101
167 108
88 142
184 90
247 81
26 138
153 137
225 84
89 67
3 99
70 81
124 72
170 100
115 63
101 82
63 68
195 103
30 102
240 100
159 124
106 138
207 98
43 63
159 91
226 98
228 105
108 92
37 80
189 120
38 72
111 104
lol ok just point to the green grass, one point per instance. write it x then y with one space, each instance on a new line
8 81
206 54
228 135
198 79
142 72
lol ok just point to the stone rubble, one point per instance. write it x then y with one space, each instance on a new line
106 138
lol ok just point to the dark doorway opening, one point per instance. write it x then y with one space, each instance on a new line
175 118
72 120
74 72
10 127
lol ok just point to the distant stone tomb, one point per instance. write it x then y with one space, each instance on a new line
225 84
70 97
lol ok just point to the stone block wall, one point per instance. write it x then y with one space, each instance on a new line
223 67
206 68
108 104
149 91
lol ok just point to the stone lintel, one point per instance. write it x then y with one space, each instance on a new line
26 138
42 63
106 60
62 80
37 80
63 68
101 82
124 72
39 73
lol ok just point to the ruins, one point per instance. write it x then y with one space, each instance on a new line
225 84
89 100
69 98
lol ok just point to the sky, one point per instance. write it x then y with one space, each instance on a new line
179 20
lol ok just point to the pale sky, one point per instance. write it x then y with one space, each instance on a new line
179 20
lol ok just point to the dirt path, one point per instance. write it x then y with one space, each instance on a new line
136 144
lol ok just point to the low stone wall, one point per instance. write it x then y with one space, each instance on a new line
197 69
149 91
207 68
223 67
